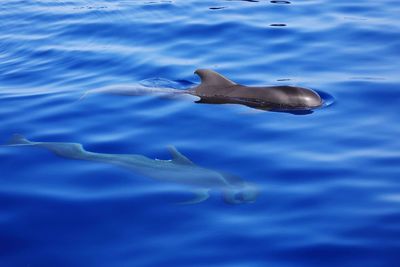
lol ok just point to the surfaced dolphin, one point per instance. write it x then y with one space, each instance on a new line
179 170
216 89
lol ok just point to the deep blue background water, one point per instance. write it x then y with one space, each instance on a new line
329 180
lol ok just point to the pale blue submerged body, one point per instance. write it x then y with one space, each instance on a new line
179 170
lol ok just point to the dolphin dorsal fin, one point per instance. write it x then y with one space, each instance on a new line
177 157
210 77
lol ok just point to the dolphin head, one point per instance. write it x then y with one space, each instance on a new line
245 193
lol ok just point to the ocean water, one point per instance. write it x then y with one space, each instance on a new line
328 181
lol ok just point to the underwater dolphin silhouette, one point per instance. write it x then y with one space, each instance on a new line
216 89
179 170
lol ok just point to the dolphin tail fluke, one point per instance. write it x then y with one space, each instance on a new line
200 196
18 139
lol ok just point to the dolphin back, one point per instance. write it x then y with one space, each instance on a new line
217 89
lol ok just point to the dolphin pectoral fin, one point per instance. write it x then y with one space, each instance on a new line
200 196
177 157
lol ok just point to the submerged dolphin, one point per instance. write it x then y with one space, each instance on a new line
217 89
179 170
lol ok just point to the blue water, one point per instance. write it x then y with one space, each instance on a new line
330 192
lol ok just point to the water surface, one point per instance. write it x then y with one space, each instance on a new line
329 180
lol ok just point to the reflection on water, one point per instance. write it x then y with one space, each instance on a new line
280 2
179 170
277 25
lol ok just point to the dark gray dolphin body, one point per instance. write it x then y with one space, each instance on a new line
180 170
215 88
